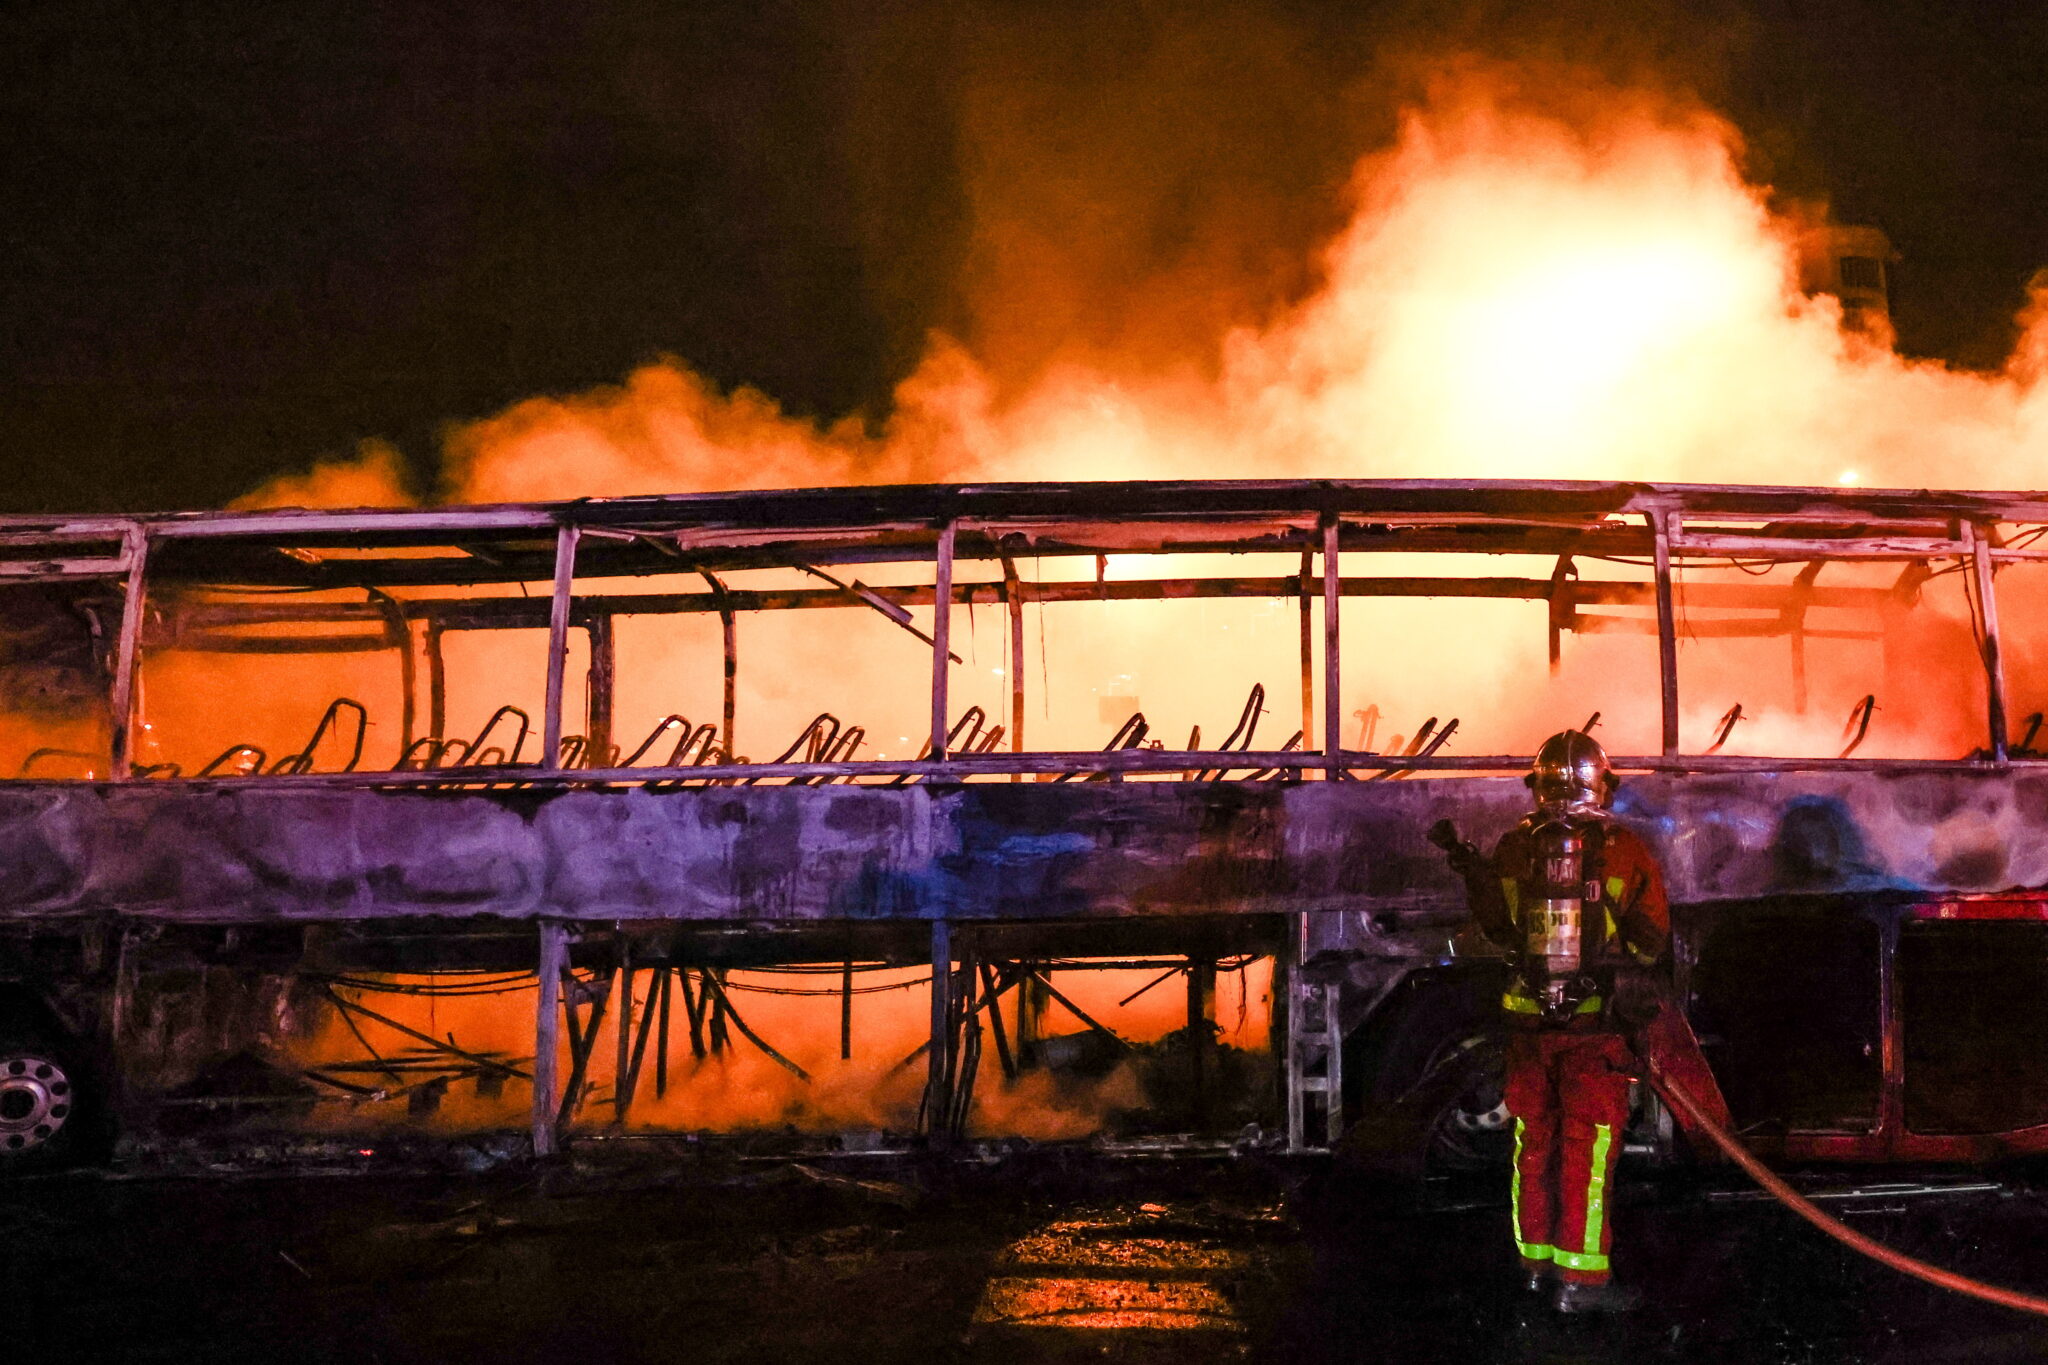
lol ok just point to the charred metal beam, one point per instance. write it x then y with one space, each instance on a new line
629 1085
437 681
599 691
1013 598
938 1095
668 976
892 610
582 1041
1667 630
1794 616
503 613
846 1011
436 1044
502 778
942 634
1078 1012
992 989
1333 713
399 635
1304 591
1561 602
1986 612
693 1007
730 648
622 1018
717 988
554 960
127 656
558 643
1201 1011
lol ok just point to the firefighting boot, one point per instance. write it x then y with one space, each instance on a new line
1536 1280
1573 1297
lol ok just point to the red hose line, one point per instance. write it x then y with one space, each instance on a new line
1677 1097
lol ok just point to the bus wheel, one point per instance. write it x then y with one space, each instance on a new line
1471 1130
38 1099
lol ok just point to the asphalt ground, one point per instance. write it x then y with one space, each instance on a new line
1049 1258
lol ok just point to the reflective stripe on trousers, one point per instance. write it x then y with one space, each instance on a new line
1531 1251
1568 1093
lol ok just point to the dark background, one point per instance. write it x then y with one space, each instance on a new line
235 238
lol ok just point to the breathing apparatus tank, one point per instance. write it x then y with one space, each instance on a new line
1571 780
1553 956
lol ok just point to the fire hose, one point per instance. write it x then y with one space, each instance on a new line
1679 1099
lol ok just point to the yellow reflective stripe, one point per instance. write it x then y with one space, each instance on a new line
1515 1200
1531 1251
1615 886
1596 1194
1514 1003
1511 893
1573 1260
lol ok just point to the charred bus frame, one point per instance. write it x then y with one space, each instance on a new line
1304 896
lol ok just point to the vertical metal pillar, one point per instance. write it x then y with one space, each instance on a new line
1013 593
1201 1010
1308 652
1561 606
846 1009
547 1034
1795 615
597 701
399 630
623 1017
558 644
942 632
437 681
729 641
938 1099
1333 719
127 657
1667 630
1031 1006
669 972
1994 662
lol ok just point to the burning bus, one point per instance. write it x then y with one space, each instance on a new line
949 813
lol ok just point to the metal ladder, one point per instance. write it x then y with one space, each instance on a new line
1315 1065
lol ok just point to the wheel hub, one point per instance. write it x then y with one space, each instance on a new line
1472 1120
35 1101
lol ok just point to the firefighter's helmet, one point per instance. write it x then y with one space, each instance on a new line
1571 772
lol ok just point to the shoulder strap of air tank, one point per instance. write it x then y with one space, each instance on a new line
1593 930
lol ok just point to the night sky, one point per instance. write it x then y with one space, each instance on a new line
235 238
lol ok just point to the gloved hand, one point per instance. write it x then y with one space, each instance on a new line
1465 859
1639 994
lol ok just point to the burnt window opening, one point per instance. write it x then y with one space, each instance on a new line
1785 999
1973 1001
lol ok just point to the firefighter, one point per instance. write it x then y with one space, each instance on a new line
1577 902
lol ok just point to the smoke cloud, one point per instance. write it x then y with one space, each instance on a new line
1534 279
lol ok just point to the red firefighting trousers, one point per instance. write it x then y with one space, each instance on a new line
1568 1095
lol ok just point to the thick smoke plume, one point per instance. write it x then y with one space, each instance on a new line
1526 286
